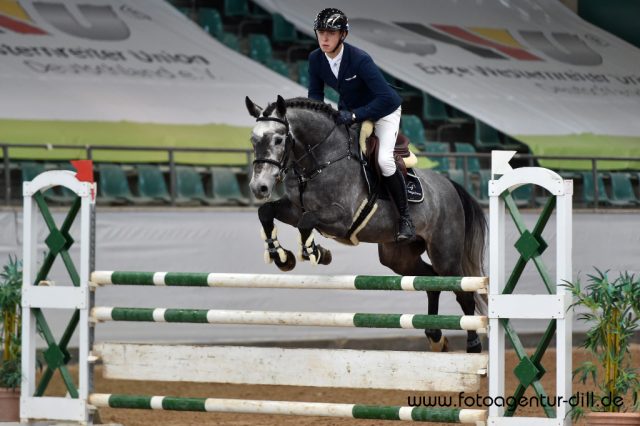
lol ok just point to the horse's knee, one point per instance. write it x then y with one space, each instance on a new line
266 213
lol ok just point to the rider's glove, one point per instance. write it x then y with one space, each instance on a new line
345 117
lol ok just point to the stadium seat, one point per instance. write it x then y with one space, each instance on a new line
523 195
260 48
282 30
588 189
486 137
190 187
151 183
438 148
622 191
113 186
457 176
231 41
279 66
30 169
236 8
473 163
412 128
225 186
331 94
302 68
211 21
433 109
483 187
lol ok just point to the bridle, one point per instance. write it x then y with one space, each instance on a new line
288 144
303 174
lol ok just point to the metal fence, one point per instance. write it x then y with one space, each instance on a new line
451 157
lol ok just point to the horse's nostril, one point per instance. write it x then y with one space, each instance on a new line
264 189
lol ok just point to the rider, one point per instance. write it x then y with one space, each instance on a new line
364 95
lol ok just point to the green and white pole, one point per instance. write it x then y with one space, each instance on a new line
323 319
355 411
331 282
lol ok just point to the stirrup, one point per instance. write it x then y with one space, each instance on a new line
405 236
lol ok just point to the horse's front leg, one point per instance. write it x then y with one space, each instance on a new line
328 217
283 210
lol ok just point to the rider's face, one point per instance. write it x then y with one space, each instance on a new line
328 40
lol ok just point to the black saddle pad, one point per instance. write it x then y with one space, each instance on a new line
415 193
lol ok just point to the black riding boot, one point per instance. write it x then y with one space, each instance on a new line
398 191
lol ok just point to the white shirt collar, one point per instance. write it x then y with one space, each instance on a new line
334 63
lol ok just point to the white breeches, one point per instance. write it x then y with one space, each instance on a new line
387 131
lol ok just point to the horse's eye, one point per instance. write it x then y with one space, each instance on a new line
278 140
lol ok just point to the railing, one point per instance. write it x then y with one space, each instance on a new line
171 151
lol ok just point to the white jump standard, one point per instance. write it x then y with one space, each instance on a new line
325 368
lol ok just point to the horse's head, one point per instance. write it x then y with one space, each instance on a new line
271 140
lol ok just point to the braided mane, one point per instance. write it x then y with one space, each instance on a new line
304 103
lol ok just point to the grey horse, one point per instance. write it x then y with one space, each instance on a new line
297 141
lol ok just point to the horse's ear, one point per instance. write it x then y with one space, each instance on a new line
253 109
281 106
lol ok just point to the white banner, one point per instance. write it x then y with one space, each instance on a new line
133 60
527 67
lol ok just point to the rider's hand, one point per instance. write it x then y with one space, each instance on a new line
344 117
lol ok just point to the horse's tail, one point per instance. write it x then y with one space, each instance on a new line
475 227
475 230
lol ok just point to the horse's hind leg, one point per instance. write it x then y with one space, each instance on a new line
447 266
405 260
284 211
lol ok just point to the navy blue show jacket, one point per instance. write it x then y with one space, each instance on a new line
362 88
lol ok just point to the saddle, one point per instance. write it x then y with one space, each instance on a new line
369 144
404 159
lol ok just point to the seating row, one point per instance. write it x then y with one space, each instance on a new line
218 186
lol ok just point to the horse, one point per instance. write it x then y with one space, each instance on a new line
297 141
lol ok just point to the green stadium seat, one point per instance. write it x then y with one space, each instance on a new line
151 183
186 11
190 186
588 189
260 48
457 176
236 8
302 68
523 195
473 163
282 30
30 169
225 187
211 21
621 190
483 187
433 109
461 115
231 41
412 128
486 137
331 94
279 66
438 148
113 186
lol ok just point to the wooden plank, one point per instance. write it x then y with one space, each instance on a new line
340 368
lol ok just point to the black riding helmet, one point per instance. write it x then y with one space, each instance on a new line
332 19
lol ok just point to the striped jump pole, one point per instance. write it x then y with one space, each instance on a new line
331 282
355 411
325 319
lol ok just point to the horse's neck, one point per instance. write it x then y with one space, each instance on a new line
317 132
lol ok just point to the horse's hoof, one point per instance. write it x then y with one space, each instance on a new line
288 264
325 256
440 346
474 346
